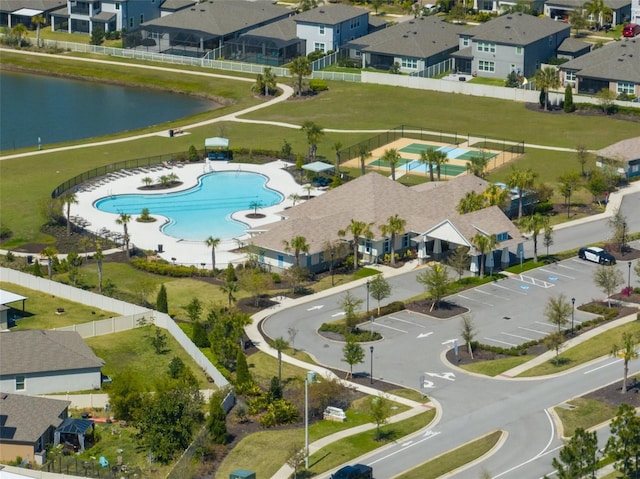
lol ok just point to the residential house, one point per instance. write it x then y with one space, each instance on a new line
414 45
561 9
328 27
572 48
623 157
501 6
433 226
44 362
635 12
208 26
511 43
110 15
615 66
27 426
13 12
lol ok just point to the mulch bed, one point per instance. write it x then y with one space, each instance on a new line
444 310
612 394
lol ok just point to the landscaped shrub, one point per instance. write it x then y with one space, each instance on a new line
608 313
392 308
318 84
165 269
543 207
278 412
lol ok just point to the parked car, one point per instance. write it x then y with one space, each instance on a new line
357 471
631 30
597 255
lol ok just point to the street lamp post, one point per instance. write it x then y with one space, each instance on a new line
309 378
371 374
573 308
368 284
629 278
624 233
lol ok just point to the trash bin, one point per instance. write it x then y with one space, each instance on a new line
29 259
171 133
160 248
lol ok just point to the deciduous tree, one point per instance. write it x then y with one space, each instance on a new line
558 310
352 354
627 350
379 289
350 305
459 260
380 411
435 280
608 280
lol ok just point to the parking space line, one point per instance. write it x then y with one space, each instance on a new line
556 273
408 322
554 326
567 267
491 294
391 327
475 300
501 342
519 337
535 282
533 330
509 289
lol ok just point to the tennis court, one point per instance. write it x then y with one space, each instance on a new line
453 152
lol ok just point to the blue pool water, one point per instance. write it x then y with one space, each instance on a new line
204 210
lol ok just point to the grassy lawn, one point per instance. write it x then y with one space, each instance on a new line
454 459
587 413
488 81
582 353
132 350
496 366
40 310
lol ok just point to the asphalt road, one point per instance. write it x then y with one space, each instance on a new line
505 313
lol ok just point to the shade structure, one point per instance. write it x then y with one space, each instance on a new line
318 166
216 142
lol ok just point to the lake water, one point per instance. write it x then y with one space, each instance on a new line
59 110
202 211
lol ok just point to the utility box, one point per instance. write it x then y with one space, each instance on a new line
242 474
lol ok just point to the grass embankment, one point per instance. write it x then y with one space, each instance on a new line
454 459
594 348
41 310
583 413
496 366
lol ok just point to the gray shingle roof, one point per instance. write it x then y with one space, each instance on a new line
330 14
419 38
220 17
616 61
613 4
517 29
284 30
625 150
572 45
177 4
28 417
374 198
13 5
35 351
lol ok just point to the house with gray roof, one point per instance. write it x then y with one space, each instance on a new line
501 6
27 425
615 66
328 27
623 157
561 9
206 26
13 12
433 225
511 43
414 45
571 48
635 11
82 16
44 362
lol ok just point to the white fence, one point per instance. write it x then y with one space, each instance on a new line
21 472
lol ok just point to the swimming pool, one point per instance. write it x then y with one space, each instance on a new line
204 210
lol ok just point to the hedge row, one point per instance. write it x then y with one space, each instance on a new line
167 269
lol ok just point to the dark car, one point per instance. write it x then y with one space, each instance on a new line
597 255
357 471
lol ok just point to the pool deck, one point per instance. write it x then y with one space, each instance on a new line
148 236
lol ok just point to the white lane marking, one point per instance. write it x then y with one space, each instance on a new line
391 327
540 454
603 366
428 435
567 267
509 289
341 313
549 325
516 336
475 300
449 341
544 333
407 321
491 294
556 273
449 376
320 306
424 335
501 342
534 281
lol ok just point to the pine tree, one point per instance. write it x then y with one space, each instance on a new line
216 422
568 100
161 301
243 376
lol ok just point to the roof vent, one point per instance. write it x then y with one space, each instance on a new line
620 59
321 11
508 26
509 17
405 36
415 33
411 22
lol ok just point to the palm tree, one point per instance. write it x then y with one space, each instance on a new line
19 31
123 219
425 159
478 165
364 154
337 146
280 344
546 79
38 21
521 179
394 226
49 252
437 158
598 10
295 197
229 287
392 157
69 199
357 229
300 67
314 133
269 79
627 352
299 245
494 195
483 244
213 244
308 188
99 256
472 201
534 223
147 180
